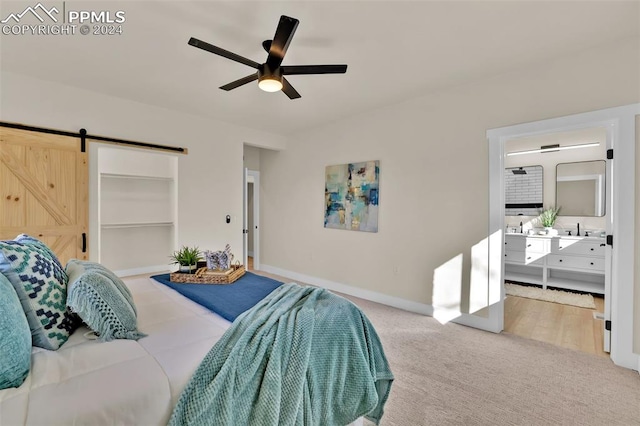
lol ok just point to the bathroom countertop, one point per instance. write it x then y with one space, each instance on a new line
571 237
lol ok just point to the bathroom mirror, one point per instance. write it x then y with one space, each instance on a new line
580 188
523 190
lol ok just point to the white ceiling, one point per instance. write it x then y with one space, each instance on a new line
394 50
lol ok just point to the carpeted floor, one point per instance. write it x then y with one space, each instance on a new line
455 375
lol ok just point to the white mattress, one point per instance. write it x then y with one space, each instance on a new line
86 382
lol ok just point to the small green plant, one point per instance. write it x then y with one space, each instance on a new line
548 216
186 256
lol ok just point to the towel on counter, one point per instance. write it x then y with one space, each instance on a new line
302 355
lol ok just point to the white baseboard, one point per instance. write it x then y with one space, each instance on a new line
373 296
250 253
143 270
396 302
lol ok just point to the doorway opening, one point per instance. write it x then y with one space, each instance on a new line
555 277
620 123
252 220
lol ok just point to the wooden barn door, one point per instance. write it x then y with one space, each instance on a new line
44 190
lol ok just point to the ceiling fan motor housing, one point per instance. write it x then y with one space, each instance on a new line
266 73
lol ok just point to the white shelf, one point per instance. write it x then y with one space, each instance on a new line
524 278
123 176
590 287
134 225
136 200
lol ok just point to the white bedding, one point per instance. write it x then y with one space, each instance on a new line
86 382
122 382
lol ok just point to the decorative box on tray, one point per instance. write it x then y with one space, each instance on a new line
209 276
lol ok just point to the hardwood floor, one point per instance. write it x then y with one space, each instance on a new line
562 325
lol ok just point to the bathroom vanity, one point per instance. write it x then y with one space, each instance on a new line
574 263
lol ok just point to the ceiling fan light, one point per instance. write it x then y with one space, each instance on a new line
270 84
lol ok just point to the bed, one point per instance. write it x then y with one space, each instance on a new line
122 381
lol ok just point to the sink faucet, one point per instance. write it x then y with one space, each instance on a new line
578 233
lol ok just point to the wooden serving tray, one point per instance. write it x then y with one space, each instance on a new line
208 276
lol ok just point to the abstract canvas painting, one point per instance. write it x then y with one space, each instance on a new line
351 196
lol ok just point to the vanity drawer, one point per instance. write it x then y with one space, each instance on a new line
524 258
578 262
579 247
522 243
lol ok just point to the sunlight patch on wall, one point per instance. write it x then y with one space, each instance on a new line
495 266
447 290
479 285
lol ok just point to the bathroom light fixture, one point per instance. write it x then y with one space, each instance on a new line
552 148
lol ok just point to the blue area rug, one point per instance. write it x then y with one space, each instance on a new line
226 300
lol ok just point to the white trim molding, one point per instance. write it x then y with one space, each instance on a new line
254 176
140 271
372 296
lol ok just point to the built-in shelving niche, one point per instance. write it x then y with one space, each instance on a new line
137 210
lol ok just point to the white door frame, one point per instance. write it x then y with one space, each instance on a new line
245 235
254 177
620 125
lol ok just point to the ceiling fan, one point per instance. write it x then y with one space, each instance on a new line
270 75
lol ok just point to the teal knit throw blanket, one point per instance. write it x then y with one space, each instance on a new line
301 356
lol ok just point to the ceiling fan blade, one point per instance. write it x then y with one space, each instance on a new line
288 90
225 53
281 40
240 82
313 69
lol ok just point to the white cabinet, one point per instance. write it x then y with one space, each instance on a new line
575 263
137 210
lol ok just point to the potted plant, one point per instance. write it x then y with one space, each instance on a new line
548 218
187 257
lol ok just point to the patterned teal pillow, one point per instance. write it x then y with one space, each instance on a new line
41 285
102 300
15 338
26 239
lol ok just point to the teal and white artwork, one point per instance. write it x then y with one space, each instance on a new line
351 196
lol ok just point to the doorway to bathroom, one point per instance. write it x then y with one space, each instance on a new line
555 263
555 272
622 125
555 276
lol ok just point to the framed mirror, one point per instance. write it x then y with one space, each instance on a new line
580 188
523 190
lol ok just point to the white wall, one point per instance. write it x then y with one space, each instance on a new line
433 173
210 176
252 157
